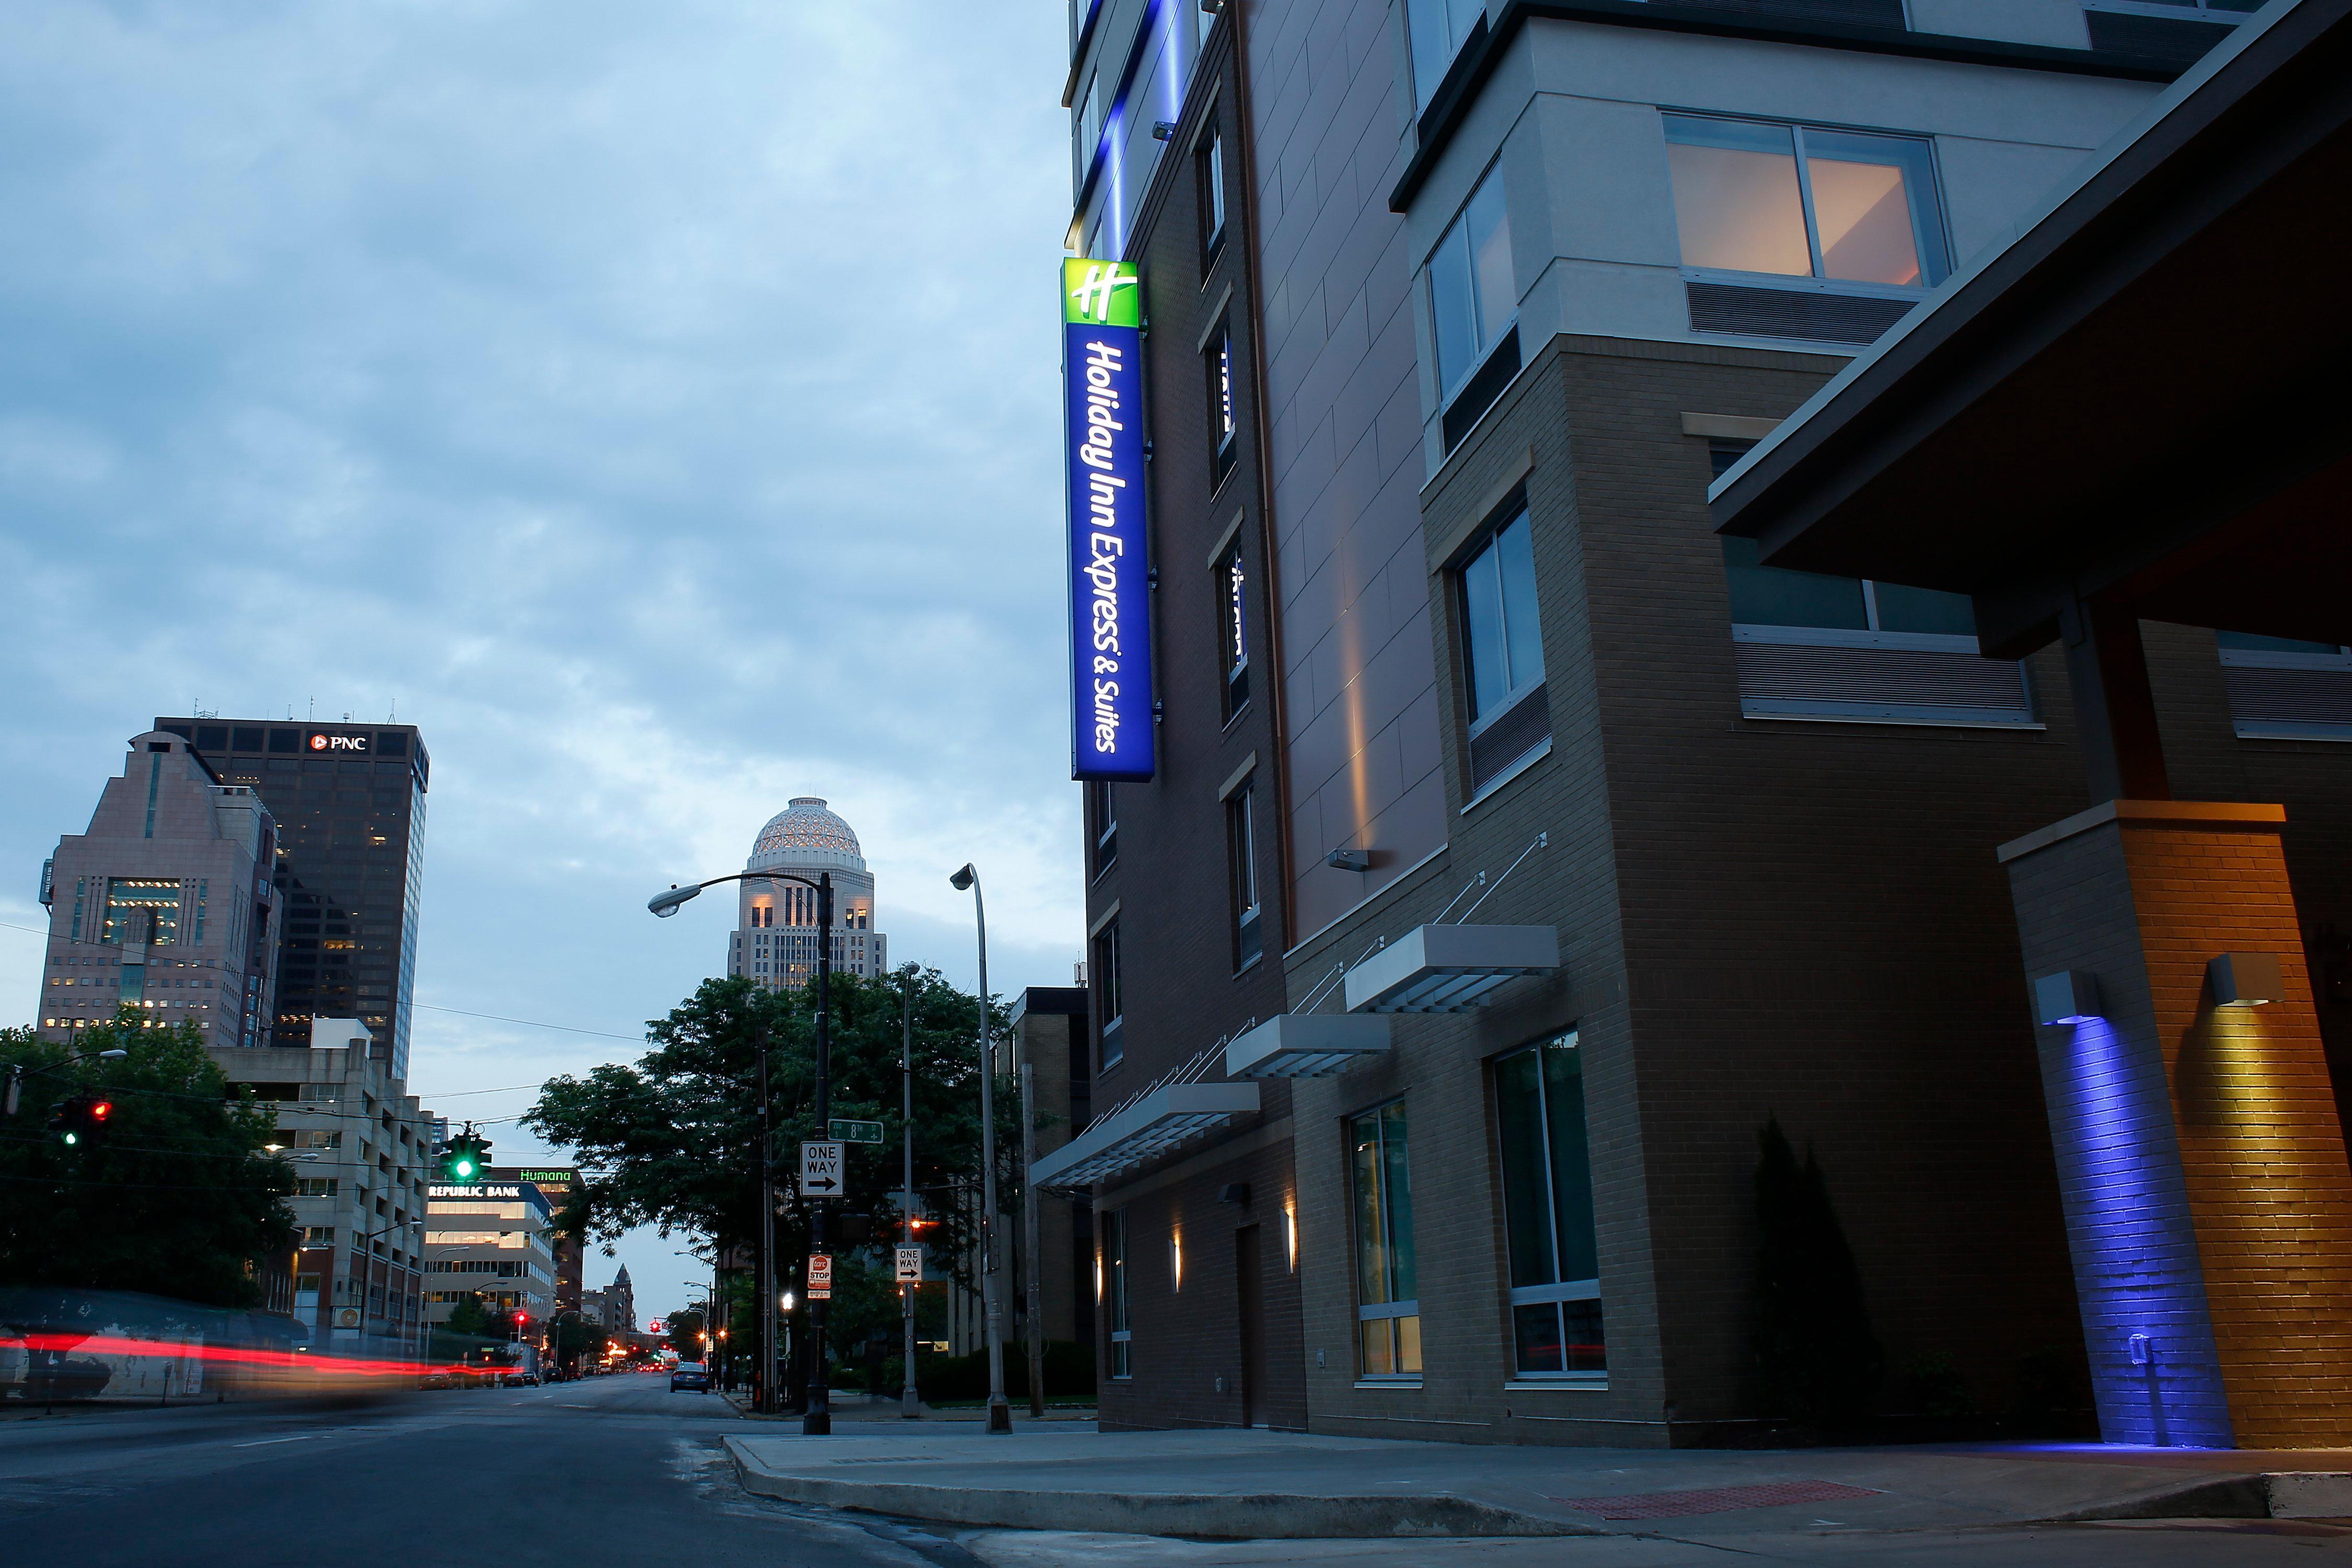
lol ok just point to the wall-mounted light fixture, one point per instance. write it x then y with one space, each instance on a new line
1237 1192
1290 1233
2245 979
1162 130
1350 859
1176 1261
2068 996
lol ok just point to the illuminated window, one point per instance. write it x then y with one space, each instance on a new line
1547 1211
1224 441
1388 1286
132 902
1792 202
1231 589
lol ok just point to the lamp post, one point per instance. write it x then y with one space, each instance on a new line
818 1420
910 1399
1000 1414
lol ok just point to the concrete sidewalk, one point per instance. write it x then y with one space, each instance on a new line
1236 1484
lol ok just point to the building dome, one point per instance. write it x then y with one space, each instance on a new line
806 823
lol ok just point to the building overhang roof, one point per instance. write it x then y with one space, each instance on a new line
1449 968
2139 397
1143 1131
1307 1045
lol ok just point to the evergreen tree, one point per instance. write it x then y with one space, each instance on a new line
1816 1357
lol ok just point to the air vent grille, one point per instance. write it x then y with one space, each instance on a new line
1792 313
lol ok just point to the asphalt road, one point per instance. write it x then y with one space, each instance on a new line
613 1470
619 1471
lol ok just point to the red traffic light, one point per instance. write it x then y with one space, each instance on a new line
100 1109
522 1317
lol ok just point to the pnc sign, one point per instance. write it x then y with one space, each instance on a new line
1110 564
323 742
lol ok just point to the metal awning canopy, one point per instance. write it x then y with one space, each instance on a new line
1144 1131
2141 401
1307 1045
1449 969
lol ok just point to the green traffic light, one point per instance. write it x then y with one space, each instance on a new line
72 1139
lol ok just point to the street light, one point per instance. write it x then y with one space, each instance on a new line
817 1420
1000 1414
17 1074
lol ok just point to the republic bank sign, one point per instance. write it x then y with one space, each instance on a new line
1110 604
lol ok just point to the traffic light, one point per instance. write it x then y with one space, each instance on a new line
80 1119
464 1157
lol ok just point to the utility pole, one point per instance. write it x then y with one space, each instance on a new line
764 1383
819 1419
910 1401
1029 1241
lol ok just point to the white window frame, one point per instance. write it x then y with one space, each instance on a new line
1450 386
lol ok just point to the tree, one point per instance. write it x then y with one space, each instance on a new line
676 1135
1815 1353
178 1197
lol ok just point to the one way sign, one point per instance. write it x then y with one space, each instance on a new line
821 1168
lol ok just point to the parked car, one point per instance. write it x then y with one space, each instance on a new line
690 1375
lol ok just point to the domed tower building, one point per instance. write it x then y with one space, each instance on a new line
776 928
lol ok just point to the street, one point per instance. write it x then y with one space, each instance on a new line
619 1471
606 1470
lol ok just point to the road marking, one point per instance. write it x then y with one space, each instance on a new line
264 1443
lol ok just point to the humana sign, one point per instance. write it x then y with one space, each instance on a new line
1110 632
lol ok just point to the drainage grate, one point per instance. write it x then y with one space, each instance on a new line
1713 1500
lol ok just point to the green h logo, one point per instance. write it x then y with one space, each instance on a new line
1100 294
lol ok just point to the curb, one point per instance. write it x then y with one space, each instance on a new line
2275 1494
1208 1515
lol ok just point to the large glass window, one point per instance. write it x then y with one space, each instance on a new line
1502 640
1107 1002
1473 297
1231 586
1795 202
1102 826
1388 1286
1241 843
1113 1287
1437 29
1765 595
1547 1209
132 902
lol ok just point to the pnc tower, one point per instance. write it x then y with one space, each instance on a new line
776 931
349 801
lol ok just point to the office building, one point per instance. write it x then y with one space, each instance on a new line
1515 847
492 1239
775 939
361 1146
556 1184
164 904
349 800
614 1307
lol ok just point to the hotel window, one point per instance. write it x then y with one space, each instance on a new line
1474 304
1222 435
1232 588
1437 30
1501 653
1107 1001
1814 645
1388 1286
1209 161
1102 826
1792 201
1556 1324
1114 1292
1241 846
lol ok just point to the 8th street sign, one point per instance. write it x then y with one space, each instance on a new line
842 1129
821 1174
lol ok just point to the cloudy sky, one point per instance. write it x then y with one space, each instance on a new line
654 403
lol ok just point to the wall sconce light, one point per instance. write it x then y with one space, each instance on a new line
1290 1233
1235 1192
2245 979
1176 1263
1350 859
1162 130
2068 996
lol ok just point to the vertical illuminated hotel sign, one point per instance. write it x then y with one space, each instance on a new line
1111 607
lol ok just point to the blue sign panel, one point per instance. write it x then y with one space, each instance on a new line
1110 569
